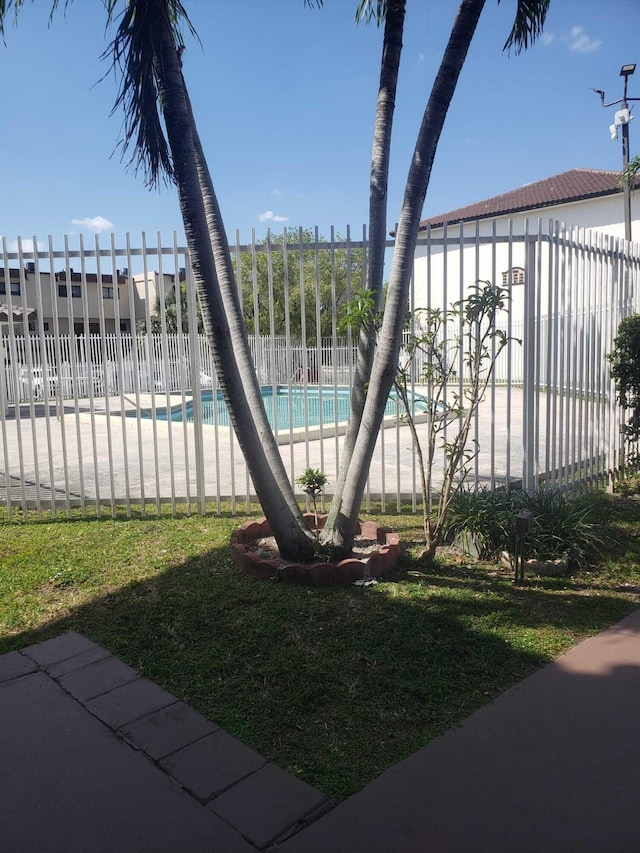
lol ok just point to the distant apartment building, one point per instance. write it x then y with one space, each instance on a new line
71 302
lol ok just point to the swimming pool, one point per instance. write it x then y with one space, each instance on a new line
288 408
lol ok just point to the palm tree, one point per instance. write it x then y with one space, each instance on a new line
147 51
392 12
529 20
159 122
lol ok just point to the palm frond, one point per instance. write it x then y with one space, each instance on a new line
5 7
528 24
367 10
631 170
133 54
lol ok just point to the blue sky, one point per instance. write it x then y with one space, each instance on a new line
284 98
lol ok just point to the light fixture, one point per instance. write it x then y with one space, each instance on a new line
627 70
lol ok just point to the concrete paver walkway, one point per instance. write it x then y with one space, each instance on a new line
94 757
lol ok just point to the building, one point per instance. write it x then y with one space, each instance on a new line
488 240
78 303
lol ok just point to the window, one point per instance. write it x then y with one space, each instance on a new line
513 276
15 288
45 327
124 326
107 292
76 290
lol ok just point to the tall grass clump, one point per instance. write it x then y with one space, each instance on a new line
564 524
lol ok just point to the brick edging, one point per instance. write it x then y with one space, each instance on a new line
321 573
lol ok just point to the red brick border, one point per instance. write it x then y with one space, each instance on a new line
315 574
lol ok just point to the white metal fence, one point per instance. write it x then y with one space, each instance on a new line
108 391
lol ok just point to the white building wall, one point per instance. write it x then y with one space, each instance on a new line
472 255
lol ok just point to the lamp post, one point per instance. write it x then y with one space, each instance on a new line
621 119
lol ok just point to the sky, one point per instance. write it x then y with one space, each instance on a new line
284 98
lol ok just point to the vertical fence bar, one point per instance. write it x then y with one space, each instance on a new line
118 376
334 343
136 366
89 362
45 362
529 474
166 383
290 370
194 356
13 355
26 333
185 371
105 360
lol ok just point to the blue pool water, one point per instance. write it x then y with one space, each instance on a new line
287 408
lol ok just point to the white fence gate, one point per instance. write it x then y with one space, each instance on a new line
108 394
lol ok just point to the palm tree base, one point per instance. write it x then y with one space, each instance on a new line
320 573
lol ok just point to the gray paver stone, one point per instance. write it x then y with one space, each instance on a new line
130 702
267 804
169 730
55 670
59 648
13 665
98 678
212 764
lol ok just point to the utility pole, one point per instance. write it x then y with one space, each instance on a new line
621 119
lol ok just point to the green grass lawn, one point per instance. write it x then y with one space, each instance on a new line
334 685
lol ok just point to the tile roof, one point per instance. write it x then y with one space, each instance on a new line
574 185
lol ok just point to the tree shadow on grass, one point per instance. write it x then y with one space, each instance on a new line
333 684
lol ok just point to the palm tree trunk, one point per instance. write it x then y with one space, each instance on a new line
238 331
391 50
221 311
390 338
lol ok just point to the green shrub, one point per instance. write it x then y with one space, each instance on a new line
625 370
563 524
630 485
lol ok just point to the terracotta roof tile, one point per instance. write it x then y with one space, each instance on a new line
574 185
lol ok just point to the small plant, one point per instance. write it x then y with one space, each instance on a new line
463 337
312 482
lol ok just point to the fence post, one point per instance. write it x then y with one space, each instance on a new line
196 366
4 397
529 398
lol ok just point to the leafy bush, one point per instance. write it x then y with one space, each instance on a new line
563 524
631 484
625 370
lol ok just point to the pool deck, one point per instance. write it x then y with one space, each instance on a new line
93 455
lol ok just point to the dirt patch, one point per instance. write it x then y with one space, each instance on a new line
267 549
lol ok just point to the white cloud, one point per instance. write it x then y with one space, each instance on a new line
547 38
27 246
276 193
420 60
270 216
97 224
580 42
